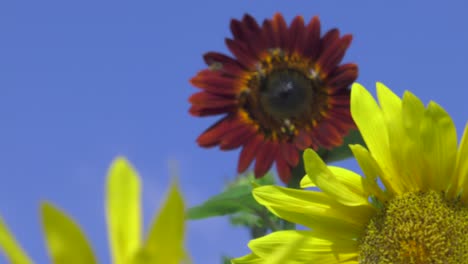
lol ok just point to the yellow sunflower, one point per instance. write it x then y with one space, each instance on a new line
411 205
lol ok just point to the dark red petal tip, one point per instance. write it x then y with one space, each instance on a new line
248 153
296 35
265 157
284 170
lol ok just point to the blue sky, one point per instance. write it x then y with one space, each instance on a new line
84 81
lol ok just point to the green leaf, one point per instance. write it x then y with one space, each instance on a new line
226 260
164 243
231 201
236 198
245 219
65 241
123 210
10 247
342 152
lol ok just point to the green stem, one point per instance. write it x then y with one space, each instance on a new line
257 231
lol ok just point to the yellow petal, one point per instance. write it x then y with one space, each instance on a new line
372 125
462 163
462 157
123 210
248 259
392 110
413 112
315 210
10 247
319 174
164 244
310 249
350 179
412 161
283 254
306 182
371 171
439 145
66 242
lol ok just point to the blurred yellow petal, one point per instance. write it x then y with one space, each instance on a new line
310 249
318 172
314 209
372 125
283 254
439 146
123 210
10 247
248 259
65 241
165 241
306 182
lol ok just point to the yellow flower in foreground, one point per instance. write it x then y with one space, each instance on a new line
411 205
67 244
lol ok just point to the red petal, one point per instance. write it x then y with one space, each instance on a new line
341 115
251 23
242 30
329 38
211 100
342 124
303 140
213 135
290 153
342 100
268 34
229 65
204 111
327 135
312 39
215 57
265 157
333 54
284 170
216 83
241 52
296 35
248 152
236 138
281 30
237 30
253 36
343 76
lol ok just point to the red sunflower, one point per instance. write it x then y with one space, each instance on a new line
281 92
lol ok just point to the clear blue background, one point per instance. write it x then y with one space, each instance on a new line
84 81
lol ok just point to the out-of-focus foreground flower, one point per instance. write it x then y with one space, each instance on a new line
282 92
67 244
419 212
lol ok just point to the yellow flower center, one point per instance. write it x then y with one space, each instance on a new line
417 228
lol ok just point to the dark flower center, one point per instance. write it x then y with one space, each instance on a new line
286 93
